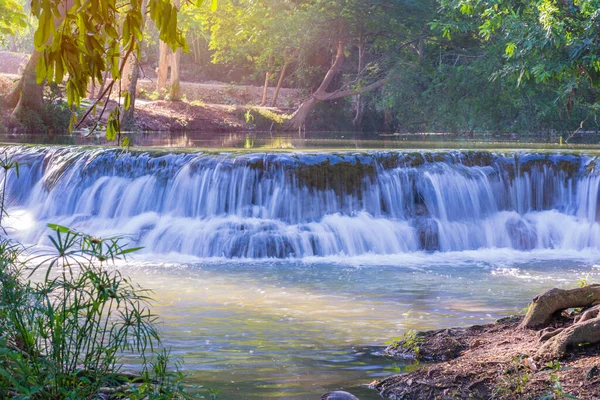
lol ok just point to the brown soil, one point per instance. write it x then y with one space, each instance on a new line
177 116
491 362
7 81
209 107
222 93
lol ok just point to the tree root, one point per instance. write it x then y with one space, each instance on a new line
582 332
549 333
545 305
586 324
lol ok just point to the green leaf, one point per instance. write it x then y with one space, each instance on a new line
131 250
127 100
58 228
125 142
41 70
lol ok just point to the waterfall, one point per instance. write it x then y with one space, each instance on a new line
308 204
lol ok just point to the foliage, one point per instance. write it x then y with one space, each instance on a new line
330 116
513 380
12 17
465 66
264 119
262 35
54 118
80 40
454 93
410 342
545 41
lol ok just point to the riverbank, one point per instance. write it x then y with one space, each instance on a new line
172 116
499 361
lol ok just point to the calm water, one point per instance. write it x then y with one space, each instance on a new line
318 140
296 329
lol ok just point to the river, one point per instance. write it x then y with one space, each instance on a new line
281 275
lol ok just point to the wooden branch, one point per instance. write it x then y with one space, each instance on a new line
333 71
345 93
109 87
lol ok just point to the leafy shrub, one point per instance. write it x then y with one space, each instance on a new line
30 121
264 119
54 117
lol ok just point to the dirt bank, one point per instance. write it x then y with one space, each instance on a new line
208 106
496 361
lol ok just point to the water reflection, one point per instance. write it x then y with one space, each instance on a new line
309 140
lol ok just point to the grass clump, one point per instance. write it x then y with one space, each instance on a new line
264 119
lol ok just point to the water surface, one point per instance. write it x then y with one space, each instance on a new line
296 329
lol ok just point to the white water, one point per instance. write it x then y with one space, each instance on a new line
309 205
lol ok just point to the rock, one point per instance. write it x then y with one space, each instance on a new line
339 395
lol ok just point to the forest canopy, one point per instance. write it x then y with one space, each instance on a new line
463 66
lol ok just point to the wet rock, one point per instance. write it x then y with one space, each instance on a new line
439 345
339 395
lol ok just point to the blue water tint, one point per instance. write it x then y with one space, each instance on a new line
296 205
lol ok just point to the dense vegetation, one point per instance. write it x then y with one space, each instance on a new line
465 66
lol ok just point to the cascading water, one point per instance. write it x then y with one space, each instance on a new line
303 204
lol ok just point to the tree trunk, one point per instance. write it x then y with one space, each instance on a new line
195 52
163 67
130 65
175 80
13 43
279 85
30 96
358 101
127 120
127 115
265 88
11 99
297 120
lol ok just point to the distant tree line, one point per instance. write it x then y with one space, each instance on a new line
463 66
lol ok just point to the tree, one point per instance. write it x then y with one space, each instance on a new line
171 60
12 17
262 35
383 34
129 81
548 42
